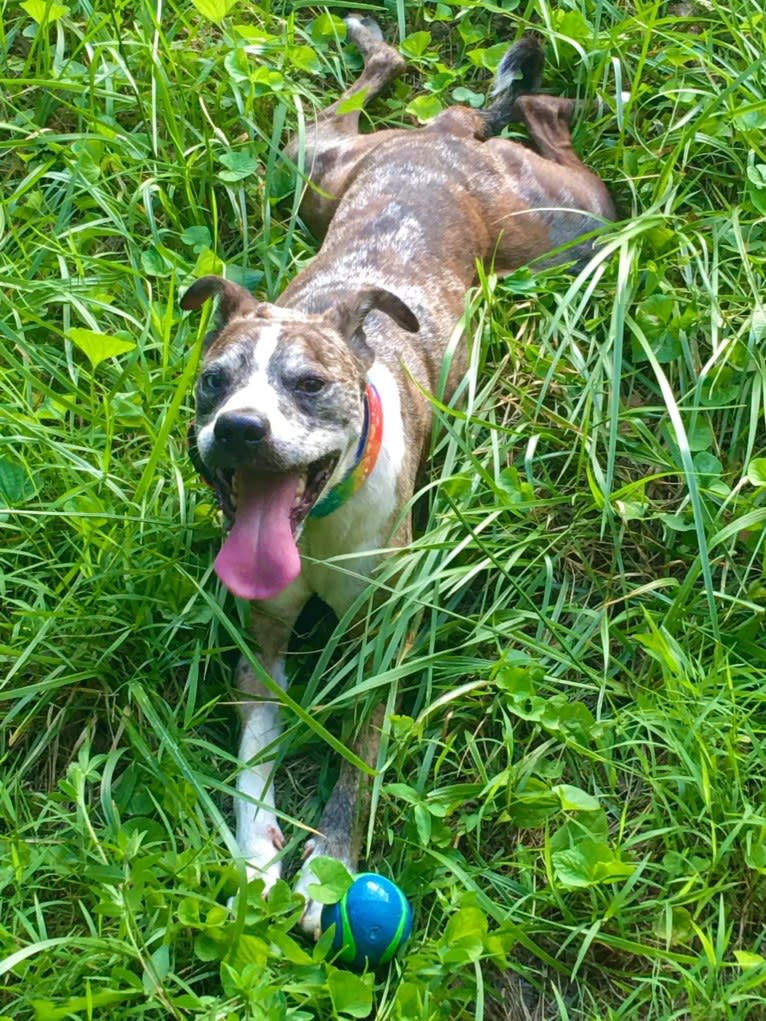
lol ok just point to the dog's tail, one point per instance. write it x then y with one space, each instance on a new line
520 72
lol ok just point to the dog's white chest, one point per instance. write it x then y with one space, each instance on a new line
340 551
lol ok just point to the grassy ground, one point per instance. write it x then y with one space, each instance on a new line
574 794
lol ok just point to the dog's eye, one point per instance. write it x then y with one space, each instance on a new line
212 382
310 385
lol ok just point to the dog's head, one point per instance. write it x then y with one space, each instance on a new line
280 409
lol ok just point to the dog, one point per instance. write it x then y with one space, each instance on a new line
311 420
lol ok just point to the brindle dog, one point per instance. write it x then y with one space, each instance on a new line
311 419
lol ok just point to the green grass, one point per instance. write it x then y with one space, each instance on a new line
573 795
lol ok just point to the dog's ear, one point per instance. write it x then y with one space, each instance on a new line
348 318
233 301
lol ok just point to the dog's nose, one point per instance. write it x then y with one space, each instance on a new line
240 433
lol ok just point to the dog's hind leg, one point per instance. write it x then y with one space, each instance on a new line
332 146
548 120
382 63
340 829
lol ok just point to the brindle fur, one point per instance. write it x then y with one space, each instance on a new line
405 215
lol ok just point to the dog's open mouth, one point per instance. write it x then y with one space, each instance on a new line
260 557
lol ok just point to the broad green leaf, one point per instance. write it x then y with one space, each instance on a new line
208 262
747 959
16 487
98 346
250 950
533 806
239 164
755 856
513 489
750 120
334 878
489 57
519 679
572 719
157 969
573 799
707 464
214 10
425 108
677 522
197 237
188 912
674 927
289 948
756 173
470 34
492 56
211 945
756 186
416 44
353 102
266 79
756 471
305 58
465 922
423 824
350 994
405 792
44 11
439 81
463 95
578 827
327 26
591 863
574 25
152 262
701 436
667 347
464 936
630 510
239 63
257 37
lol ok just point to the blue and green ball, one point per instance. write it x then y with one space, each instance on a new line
372 921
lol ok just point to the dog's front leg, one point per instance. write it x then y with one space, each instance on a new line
340 828
259 834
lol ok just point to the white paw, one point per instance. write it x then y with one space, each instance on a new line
311 919
261 848
268 873
356 21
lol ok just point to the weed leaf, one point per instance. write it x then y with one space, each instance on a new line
214 10
98 346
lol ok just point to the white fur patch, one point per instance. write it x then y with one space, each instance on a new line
362 524
258 394
258 832
254 395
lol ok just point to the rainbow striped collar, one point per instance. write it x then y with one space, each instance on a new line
366 456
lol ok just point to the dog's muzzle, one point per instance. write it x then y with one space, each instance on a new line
237 438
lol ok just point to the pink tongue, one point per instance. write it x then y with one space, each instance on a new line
259 557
